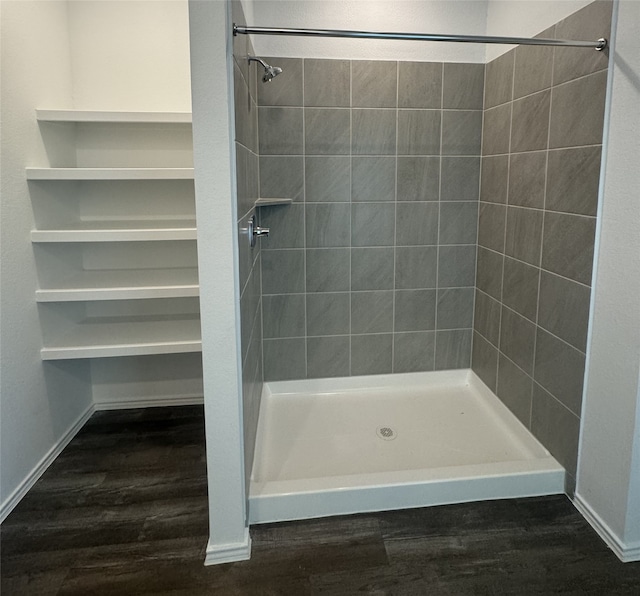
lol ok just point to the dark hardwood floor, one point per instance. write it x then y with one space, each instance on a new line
124 511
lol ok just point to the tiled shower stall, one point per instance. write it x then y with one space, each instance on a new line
443 217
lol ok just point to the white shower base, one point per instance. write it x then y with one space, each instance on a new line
321 449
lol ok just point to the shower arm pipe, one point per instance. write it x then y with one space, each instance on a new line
598 45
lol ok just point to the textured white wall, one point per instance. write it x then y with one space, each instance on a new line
609 467
38 402
418 16
130 55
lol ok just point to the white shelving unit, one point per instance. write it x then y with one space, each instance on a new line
115 248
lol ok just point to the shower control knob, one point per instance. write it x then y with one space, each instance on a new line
255 231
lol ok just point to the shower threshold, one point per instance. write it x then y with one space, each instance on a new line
355 444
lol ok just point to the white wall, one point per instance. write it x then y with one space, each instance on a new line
39 402
130 55
419 16
609 469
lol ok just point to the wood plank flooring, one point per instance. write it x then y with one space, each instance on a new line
124 511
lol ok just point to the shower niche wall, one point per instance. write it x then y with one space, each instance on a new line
442 220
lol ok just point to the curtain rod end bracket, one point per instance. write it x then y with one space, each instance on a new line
602 44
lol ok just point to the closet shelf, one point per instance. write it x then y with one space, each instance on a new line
127 284
110 173
99 116
119 231
272 202
109 339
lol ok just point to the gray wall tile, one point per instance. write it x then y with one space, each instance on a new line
495 176
373 178
460 179
524 234
371 269
373 224
455 308
573 177
527 173
456 266
560 370
420 85
415 310
530 123
286 226
518 339
284 359
328 314
327 270
286 90
374 132
556 428
416 223
463 86
496 130
327 83
453 349
564 309
414 351
371 312
520 288
282 271
328 225
280 131
499 80
374 84
533 67
592 22
484 361
578 112
461 132
492 225
515 389
327 179
416 267
458 222
282 177
489 278
283 315
327 131
371 354
568 245
486 319
418 178
419 132
328 357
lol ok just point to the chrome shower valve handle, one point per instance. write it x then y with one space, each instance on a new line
255 231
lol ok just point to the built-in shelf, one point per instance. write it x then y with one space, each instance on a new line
99 116
110 173
272 202
119 231
131 338
128 284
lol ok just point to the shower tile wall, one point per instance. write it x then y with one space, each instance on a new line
541 151
372 268
246 145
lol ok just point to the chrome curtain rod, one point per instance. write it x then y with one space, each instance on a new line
599 45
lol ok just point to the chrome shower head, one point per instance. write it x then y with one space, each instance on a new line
269 71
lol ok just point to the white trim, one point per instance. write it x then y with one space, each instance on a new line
41 467
151 402
625 552
229 553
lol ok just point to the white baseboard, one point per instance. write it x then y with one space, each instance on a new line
41 467
150 402
625 552
229 553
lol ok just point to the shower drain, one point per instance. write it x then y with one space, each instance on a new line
386 433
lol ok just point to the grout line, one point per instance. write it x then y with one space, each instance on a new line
395 223
304 224
350 211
